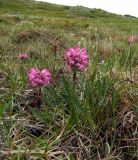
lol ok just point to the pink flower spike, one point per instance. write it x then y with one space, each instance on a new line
23 56
37 77
131 40
76 58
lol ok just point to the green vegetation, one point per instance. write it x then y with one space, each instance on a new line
93 118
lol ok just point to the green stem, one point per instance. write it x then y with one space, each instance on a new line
39 92
74 75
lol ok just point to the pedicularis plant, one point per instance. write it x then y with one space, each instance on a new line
131 40
38 78
22 56
76 59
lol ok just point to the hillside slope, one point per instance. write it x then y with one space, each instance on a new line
44 8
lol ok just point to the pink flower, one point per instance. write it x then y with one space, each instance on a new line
131 40
23 56
76 58
37 77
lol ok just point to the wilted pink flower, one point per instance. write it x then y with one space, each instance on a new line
131 40
23 56
39 78
76 58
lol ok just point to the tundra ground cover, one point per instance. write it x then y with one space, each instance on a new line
92 116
